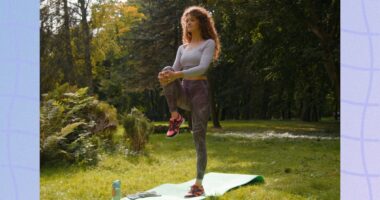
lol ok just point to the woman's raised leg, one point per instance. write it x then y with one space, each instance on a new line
175 94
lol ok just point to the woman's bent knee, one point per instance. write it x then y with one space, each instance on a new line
167 68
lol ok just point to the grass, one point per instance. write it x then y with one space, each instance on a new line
292 168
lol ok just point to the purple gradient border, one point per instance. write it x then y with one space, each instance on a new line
360 105
19 100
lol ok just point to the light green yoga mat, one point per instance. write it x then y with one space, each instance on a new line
215 184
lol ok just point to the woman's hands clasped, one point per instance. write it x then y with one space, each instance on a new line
166 77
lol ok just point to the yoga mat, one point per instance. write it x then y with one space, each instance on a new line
215 184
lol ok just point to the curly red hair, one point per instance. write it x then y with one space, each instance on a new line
206 24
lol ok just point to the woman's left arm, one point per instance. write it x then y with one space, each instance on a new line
204 63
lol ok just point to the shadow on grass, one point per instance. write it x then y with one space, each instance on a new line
259 180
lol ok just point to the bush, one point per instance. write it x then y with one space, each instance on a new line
73 124
137 129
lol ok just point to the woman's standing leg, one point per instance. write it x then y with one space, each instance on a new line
199 98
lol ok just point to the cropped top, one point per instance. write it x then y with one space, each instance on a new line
194 61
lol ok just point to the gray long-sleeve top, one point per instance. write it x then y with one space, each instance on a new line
194 61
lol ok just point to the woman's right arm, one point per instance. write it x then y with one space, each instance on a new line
176 65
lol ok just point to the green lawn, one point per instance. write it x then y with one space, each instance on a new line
292 168
325 127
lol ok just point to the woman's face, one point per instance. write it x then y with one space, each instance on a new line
192 23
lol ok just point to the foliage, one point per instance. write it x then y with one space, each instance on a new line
279 59
137 129
73 125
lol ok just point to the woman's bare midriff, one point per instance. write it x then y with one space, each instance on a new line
196 78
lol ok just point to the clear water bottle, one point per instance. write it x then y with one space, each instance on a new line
116 190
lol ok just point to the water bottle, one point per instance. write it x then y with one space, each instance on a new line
116 190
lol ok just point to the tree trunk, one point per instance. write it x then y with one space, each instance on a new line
190 121
214 107
69 75
87 46
327 40
333 73
223 114
265 113
215 114
309 111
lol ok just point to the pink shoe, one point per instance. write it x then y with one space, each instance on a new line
195 191
174 125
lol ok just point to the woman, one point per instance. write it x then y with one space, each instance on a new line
200 47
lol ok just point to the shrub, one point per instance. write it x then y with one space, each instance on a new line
73 124
137 129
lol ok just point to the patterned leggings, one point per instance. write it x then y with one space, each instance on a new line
192 95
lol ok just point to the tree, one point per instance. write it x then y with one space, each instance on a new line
68 68
87 44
